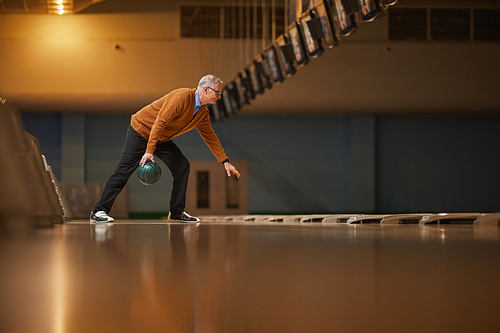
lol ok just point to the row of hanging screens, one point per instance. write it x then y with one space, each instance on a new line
306 38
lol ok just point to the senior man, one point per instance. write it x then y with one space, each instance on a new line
150 134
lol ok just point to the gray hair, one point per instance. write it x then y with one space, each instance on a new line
208 80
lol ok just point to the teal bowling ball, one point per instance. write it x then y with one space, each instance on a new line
150 173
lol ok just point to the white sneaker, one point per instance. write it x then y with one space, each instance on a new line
100 217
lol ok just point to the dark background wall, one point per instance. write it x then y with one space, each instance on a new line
371 163
438 163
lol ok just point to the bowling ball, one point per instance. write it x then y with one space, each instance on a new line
150 173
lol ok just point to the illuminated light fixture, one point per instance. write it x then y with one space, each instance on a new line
60 6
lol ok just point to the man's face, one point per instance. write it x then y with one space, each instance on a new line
213 93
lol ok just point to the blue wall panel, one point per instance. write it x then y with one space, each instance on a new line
438 163
296 164
446 163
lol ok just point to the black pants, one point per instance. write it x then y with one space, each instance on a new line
135 147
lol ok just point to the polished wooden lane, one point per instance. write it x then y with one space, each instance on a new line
250 277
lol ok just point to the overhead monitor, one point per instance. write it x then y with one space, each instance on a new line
368 10
263 71
387 3
331 31
312 34
217 110
241 90
227 103
247 83
274 64
286 56
299 49
345 17
254 78
233 97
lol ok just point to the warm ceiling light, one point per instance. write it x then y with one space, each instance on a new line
60 6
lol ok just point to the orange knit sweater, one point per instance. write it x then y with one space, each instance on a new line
171 116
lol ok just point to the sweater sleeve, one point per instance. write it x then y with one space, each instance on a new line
171 108
207 133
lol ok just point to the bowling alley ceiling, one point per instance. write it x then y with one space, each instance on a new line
88 6
117 6
44 6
